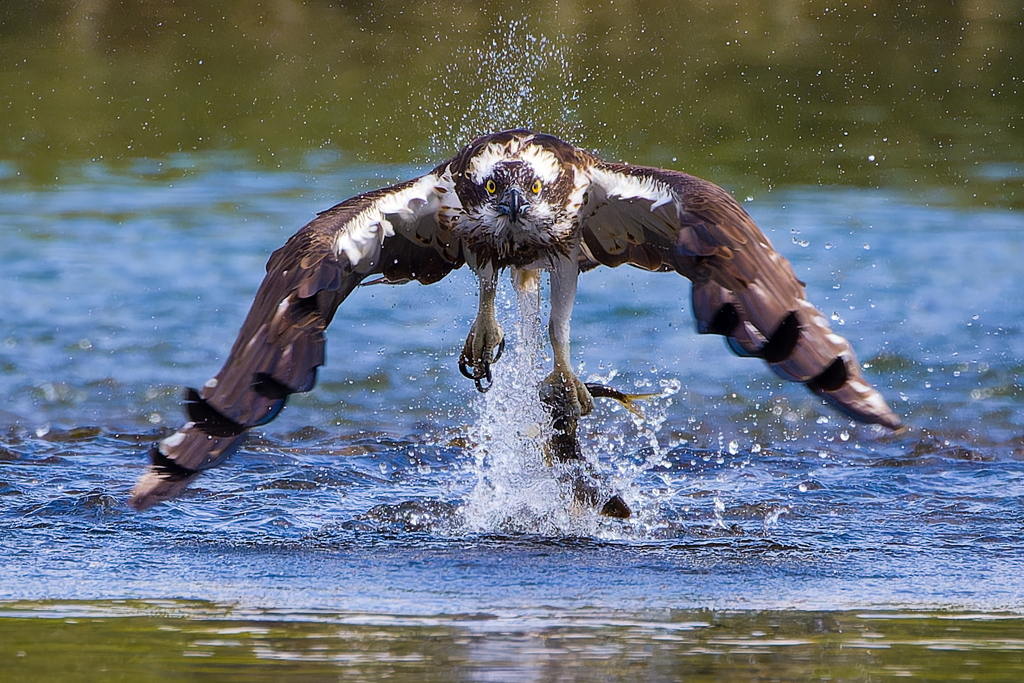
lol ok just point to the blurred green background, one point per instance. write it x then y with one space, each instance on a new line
922 97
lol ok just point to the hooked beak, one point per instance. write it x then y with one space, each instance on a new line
513 204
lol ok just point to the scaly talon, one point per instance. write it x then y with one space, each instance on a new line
477 375
566 395
481 351
500 350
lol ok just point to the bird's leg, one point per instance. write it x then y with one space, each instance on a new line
565 396
562 390
567 399
486 341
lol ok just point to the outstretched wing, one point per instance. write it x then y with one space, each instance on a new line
394 232
742 288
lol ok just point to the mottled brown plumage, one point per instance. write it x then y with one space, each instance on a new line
525 201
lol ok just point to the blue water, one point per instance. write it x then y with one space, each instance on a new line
122 285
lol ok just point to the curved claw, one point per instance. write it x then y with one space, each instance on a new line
477 374
479 381
566 395
482 372
464 368
500 350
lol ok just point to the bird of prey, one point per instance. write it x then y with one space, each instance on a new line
527 202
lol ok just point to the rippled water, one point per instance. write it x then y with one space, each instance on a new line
371 499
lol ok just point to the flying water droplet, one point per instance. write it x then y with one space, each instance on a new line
719 512
544 99
771 519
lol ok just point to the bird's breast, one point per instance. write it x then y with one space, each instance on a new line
492 236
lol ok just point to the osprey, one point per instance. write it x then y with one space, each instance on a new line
527 202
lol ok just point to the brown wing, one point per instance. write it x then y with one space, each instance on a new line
393 232
742 288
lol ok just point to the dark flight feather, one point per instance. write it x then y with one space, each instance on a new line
282 343
742 288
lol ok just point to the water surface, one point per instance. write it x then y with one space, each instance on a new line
367 501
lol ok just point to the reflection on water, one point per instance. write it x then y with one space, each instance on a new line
168 640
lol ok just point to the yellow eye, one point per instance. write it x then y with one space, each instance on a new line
491 187
536 186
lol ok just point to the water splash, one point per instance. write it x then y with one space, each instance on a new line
771 518
517 80
516 490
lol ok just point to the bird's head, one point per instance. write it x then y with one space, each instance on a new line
516 182
514 190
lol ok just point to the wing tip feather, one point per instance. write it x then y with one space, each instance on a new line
164 479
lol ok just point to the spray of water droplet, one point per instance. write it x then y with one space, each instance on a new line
519 80
514 489
524 79
771 519
720 512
